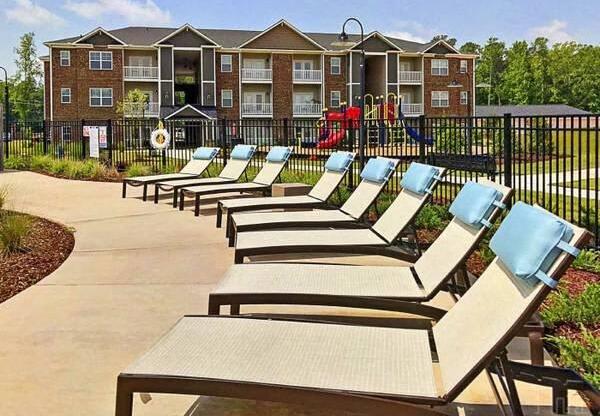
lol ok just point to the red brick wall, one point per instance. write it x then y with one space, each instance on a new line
282 86
228 81
47 90
440 83
80 79
335 82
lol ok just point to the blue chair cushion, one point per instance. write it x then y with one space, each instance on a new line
279 154
530 240
205 153
475 203
339 161
242 151
419 178
378 170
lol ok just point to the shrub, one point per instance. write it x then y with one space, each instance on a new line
583 309
41 163
13 230
588 260
3 197
582 355
169 168
433 217
59 167
137 169
17 162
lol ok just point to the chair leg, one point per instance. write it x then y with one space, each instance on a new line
238 258
234 309
175 193
145 192
197 206
181 200
124 192
560 400
513 395
156 191
219 214
231 237
214 308
536 347
124 400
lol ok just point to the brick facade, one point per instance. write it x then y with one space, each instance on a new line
441 83
80 78
282 86
229 81
47 90
335 82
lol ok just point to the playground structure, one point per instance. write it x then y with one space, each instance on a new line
384 123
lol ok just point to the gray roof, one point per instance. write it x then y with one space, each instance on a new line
528 110
232 38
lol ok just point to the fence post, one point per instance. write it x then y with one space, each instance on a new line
2 132
44 137
82 140
507 147
286 133
351 138
422 149
224 140
109 141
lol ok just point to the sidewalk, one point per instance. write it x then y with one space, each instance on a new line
136 268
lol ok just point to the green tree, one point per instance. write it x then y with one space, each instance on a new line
446 38
27 93
490 69
541 82
134 104
470 48
516 80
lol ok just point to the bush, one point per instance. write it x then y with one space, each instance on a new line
13 230
137 169
588 260
433 217
59 167
3 197
17 162
583 309
41 163
582 355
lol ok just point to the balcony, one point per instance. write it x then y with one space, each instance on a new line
135 110
307 76
412 109
256 75
141 73
307 110
411 77
257 109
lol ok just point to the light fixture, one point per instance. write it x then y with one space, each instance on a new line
455 84
343 41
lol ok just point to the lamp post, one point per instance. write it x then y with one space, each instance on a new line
343 41
6 115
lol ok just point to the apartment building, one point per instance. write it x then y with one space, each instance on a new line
277 73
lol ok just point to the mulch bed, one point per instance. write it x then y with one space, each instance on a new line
103 179
47 246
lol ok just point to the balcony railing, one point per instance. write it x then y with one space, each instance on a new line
257 109
254 74
130 109
141 72
307 109
412 109
410 77
307 75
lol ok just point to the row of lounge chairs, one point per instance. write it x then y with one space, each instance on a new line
406 367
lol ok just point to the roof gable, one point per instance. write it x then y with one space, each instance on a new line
376 42
441 47
186 36
281 35
188 111
99 36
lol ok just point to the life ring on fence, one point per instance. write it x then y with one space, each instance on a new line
160 137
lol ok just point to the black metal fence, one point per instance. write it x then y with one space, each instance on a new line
549 160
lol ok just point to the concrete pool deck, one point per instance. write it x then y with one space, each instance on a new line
135 269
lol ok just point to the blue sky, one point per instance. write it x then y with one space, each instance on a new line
559 20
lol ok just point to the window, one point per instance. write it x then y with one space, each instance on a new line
65 95
140 61
65 58
67 133
305 65
101 60
439 67
336 65
336 97
226 98
101 97
464 97
464 66
226 63
439 99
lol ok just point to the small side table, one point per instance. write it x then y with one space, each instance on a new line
290 189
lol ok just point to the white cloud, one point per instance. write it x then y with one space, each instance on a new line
31 14
410 30
138 12
555 31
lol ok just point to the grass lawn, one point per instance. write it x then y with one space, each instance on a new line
591 184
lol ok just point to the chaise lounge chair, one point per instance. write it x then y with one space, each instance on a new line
276 161
198 164
336 168
380 239
371 369
395 288
234 169
349 215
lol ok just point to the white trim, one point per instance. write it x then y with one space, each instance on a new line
188 106
447 93
438 68
60 58
222 91
186 26
382 37
51 90
221 63
159 81
201 74
331 98
61 95
187 48
331 65
285 23
101 60
97 31
446 44
112 97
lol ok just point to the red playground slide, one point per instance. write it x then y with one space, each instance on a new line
336 136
